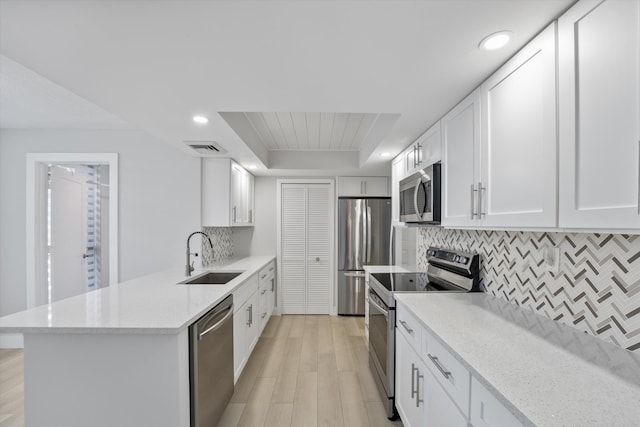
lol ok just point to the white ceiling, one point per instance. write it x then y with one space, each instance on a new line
29 101
156 64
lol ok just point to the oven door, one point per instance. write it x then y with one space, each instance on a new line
382 342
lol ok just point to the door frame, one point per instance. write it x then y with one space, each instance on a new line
333 305
36 253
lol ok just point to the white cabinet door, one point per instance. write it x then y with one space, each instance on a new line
425 151
227 194
487 411
461 161
240 353
440 409
599 84
373 186
410 390
430 146
518 186
253 327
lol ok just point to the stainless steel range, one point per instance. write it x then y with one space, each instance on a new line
448 271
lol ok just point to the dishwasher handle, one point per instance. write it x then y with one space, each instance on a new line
217 324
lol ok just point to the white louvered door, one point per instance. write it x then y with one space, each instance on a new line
305 248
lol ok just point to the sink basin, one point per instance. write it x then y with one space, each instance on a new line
212 278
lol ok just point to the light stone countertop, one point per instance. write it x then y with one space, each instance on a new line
372 269
152 304
546 373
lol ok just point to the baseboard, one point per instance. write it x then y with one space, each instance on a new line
11 341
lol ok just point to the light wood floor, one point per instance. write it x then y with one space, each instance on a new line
304 371
11 388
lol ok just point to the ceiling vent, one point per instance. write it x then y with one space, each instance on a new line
206 148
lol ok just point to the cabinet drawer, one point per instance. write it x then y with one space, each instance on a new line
265 272
242 294
448 371
408 326
487 411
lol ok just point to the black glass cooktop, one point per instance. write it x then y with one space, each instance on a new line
409 282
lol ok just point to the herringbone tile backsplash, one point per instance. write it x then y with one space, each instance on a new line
596 290
222 239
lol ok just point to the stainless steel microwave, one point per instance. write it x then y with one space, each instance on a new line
420 196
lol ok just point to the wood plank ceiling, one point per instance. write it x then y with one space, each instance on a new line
310 131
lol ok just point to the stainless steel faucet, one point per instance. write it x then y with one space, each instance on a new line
189 266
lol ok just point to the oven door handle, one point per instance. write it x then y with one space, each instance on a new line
385 313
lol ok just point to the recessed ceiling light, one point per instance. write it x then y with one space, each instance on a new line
252 167
495 41
385 154
200 120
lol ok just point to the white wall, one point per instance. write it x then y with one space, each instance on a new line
159 198
263 241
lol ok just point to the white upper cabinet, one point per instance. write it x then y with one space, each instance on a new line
227 194
425 151
460 162
361 186
599 93
519 142
499 145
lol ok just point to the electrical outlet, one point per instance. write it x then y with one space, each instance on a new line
552 259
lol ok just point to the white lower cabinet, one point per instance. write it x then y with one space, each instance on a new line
266 296
246 324
486 411
410 390
434 388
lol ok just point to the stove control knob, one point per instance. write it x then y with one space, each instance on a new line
463 260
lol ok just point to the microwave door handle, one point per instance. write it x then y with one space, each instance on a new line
368 233
415 198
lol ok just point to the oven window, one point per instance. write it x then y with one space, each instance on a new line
378 336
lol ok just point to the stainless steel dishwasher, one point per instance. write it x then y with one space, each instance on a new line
211 364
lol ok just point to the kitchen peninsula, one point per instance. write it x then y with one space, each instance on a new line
118 355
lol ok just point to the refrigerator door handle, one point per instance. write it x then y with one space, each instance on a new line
368 219
361 275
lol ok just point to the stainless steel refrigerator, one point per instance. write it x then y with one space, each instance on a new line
363 239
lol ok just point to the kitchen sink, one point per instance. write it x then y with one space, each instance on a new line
212 278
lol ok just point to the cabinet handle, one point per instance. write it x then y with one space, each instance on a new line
415 156
480 190
404 325
442 370
413 380
234 214
249 316
263 292
263 276
473 201
273 283
264 315
419 154
418 399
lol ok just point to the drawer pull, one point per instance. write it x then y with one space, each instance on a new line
263 276
264 315
413 380
404 325
442 370
263 292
